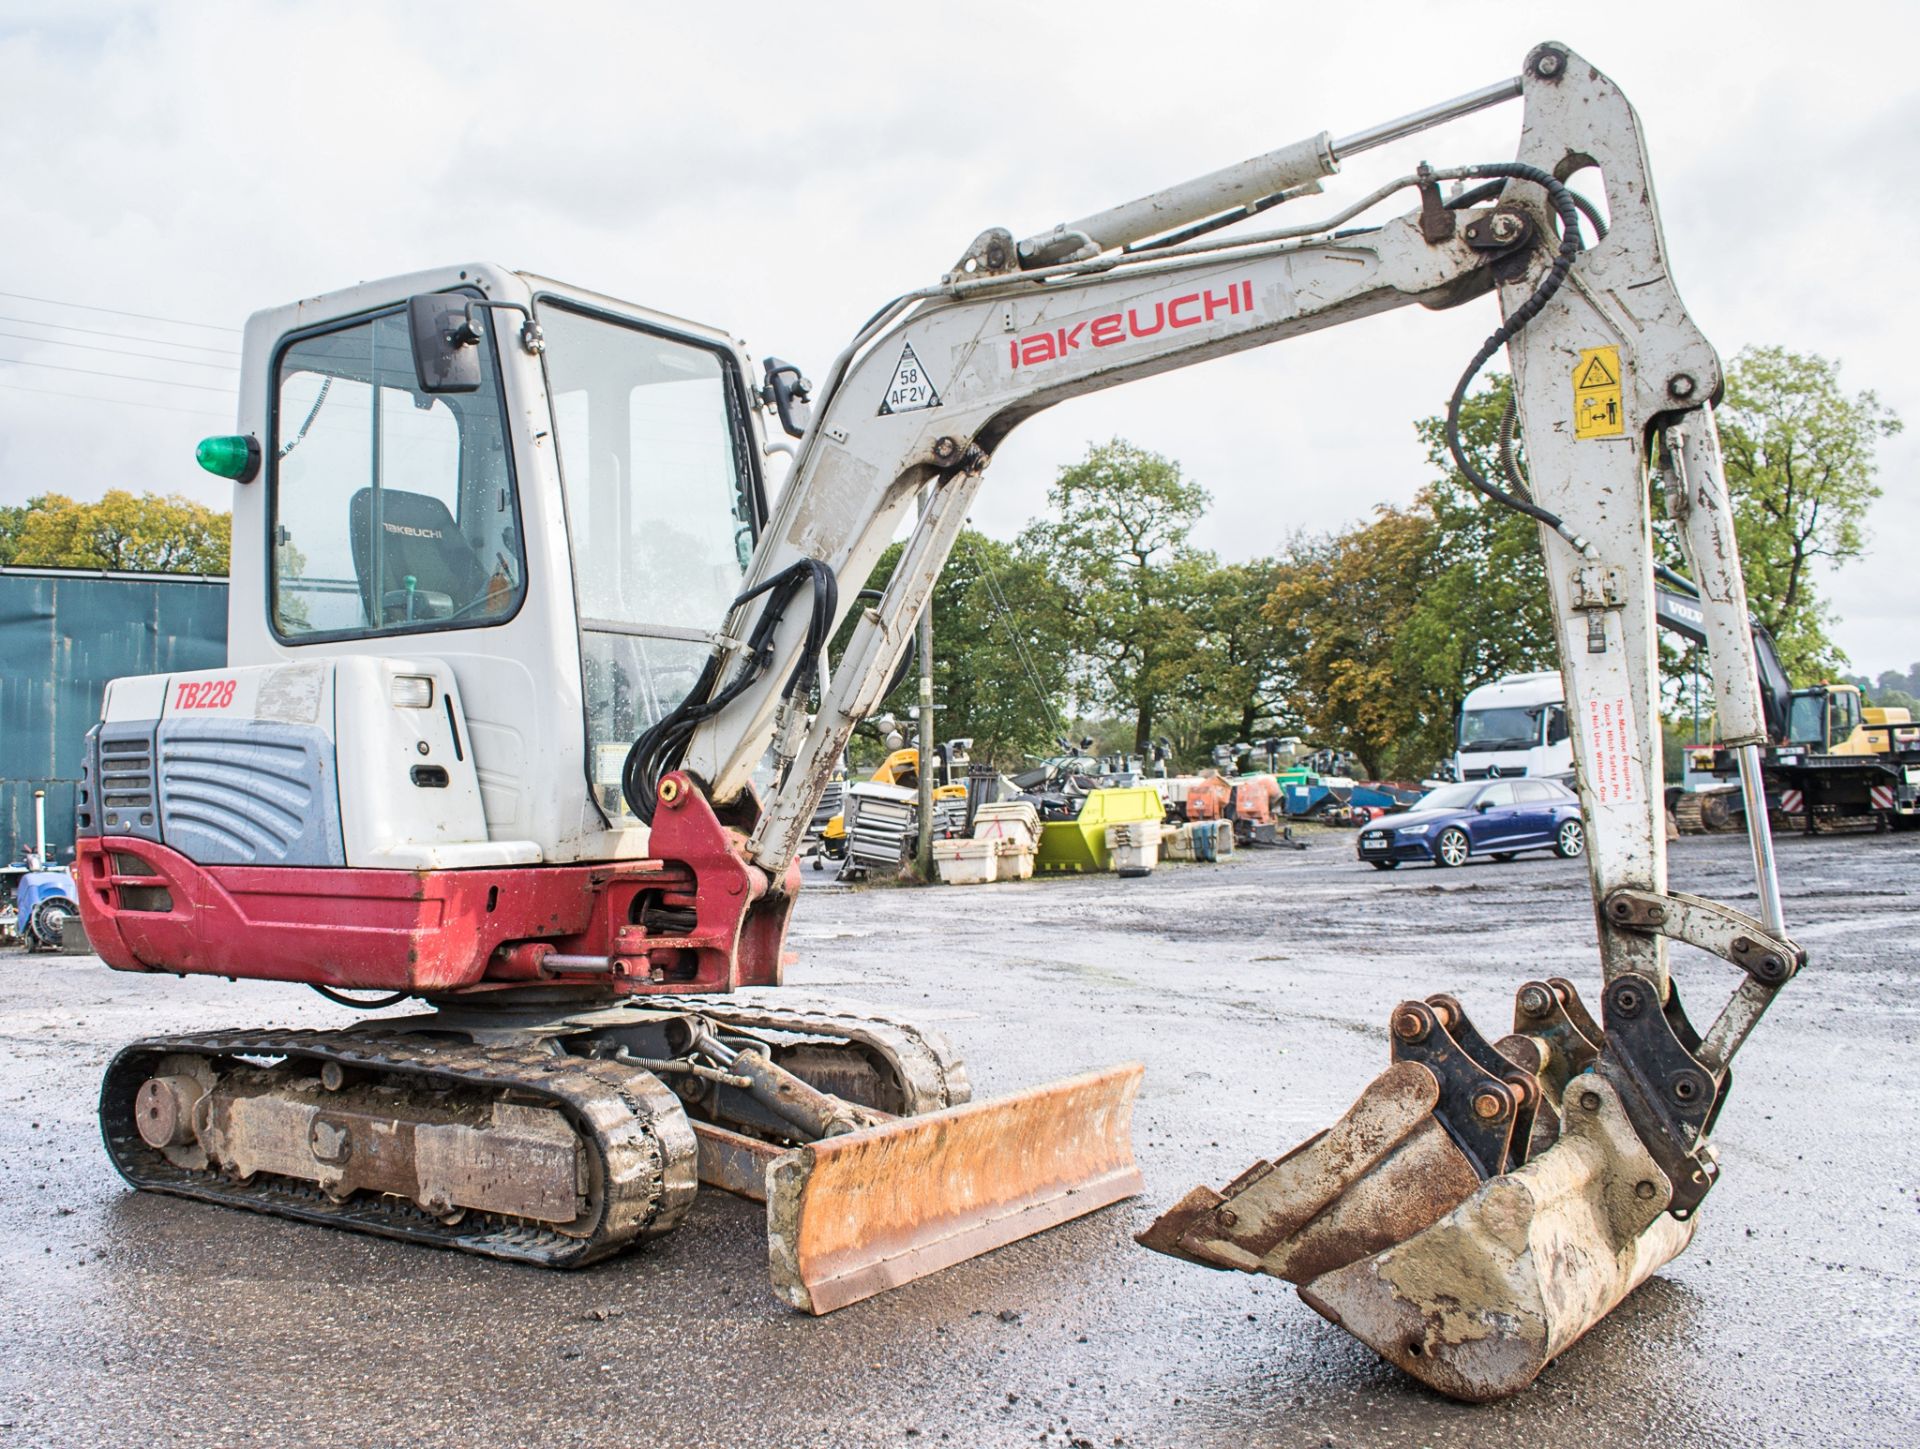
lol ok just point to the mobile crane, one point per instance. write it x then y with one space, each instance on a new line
518 721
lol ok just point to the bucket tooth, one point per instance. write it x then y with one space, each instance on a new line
854 1215
1478 1303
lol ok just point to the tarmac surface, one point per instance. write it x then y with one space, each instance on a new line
1257 992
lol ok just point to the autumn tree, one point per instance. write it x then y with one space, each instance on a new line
1339 605
1799 456
147 534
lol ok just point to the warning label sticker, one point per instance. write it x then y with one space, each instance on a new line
911 389
1597 409
1613 751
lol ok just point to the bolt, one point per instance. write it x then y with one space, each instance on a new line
1535 1001
1771 969
1228 1217
1590 1101
1741 945
1627 1001
996 256
945 449
1548 64
1504 227
1489 1105
332 1076
1644 1190
1657 914
1410 1025
423 747
1681 385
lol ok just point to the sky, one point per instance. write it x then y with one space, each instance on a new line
781 171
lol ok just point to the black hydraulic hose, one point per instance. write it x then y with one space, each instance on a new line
1569 213
661 747
379 1003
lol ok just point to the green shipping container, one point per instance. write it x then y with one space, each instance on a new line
64 633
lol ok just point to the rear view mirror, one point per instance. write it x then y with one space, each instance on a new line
446 343
790 395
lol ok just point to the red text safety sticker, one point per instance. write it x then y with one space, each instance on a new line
1613 751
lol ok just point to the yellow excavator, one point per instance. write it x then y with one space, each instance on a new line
520 722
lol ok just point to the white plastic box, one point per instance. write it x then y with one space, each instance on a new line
966 862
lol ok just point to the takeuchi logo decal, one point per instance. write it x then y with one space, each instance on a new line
1188 310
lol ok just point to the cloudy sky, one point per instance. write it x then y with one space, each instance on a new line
782 169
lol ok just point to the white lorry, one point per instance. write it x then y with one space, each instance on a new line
1516 725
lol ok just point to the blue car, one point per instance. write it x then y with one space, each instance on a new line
1499 818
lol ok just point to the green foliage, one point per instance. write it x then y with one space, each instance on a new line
13 518
147 533
1800 464
1484 610
1000 662
1341 604
1115 546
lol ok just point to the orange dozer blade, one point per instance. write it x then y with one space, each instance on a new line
851 1216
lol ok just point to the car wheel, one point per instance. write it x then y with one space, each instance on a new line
47 924
1570 841
1384 864
1452 847
1503 855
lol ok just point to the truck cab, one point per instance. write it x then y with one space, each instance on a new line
1516 725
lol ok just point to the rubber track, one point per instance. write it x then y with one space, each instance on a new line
643 1147
930 1071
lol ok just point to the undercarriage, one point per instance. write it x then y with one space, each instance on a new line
532 1130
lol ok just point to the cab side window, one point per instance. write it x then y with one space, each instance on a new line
1497 795
392 509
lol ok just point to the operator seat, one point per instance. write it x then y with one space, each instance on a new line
422 542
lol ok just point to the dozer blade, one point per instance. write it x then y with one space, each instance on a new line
851 1216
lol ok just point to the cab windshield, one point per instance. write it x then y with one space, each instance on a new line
661 514
1509 728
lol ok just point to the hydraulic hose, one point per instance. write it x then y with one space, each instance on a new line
1568 210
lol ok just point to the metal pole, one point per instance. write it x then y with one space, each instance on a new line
923 853
1753 794
40 826
1420 120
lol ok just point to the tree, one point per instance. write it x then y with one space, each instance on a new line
144 534
1800 464
1342 603
13 518
1485 611
1233 679
1000 663
1117 532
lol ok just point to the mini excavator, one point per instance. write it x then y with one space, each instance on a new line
520 721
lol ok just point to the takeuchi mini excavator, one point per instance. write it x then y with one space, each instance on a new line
520 721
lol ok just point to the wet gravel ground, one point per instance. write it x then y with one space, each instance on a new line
1257 994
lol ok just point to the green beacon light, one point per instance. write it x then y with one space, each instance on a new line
232 456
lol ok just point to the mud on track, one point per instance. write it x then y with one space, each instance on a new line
1256 992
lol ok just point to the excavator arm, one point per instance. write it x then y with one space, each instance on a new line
1483 1204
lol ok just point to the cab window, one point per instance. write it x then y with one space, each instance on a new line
392 510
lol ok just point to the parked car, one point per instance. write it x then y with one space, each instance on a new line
1499 818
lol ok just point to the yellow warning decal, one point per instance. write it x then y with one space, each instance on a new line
1597 409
